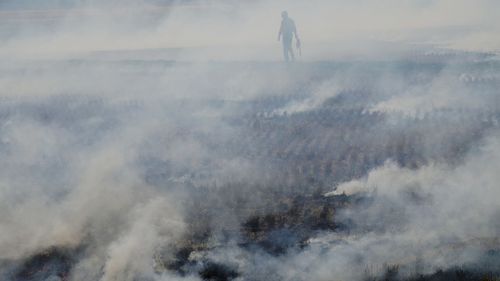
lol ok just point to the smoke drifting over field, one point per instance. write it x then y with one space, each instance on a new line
163 140
236 30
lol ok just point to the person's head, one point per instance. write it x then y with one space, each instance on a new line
284 14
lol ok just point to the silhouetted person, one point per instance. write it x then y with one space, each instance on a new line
287 31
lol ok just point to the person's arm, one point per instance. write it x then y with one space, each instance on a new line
295 32
279 33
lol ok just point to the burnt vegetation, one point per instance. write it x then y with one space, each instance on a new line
300 156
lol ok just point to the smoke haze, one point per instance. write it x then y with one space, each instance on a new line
165 140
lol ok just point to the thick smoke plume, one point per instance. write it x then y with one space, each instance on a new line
165 140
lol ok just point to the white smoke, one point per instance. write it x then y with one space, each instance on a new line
233 30
69 171
437 214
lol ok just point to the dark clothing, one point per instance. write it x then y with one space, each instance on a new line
287 31
288 28
287 48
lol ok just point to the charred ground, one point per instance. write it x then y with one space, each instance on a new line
294 155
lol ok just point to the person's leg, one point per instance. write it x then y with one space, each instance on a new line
291 52
287 48
285 51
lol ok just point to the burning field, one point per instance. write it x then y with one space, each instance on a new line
140 163
303 182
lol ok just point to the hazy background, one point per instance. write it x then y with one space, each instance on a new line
244 30
96 95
